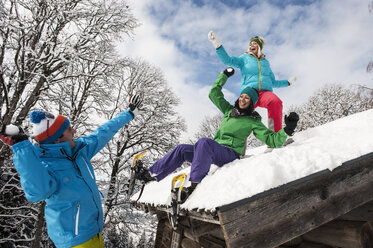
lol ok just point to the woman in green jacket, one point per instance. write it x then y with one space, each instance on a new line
240 120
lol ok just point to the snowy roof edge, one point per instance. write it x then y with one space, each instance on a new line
232 205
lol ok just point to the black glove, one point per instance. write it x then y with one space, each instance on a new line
134 104
11 134
291 123
229 71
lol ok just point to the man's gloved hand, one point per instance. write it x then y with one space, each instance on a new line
135 102
214 39
291 123
229 71
11 134
292 80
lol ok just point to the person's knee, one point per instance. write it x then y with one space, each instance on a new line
181 148
275 104
276 101
204 141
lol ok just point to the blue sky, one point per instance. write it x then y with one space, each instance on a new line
319 42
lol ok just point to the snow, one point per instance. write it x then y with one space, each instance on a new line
314 150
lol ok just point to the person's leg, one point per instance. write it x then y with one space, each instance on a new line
172 160
95 242
273 104
207 152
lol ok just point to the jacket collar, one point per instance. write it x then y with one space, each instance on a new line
62 148
236 113
252 54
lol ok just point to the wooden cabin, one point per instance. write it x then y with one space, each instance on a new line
327 209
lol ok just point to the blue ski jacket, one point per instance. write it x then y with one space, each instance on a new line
65 179
255 72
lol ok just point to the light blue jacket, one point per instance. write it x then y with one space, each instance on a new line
255 73
65 179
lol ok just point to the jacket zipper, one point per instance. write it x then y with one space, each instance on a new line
72 159
260 73
88 168
77 220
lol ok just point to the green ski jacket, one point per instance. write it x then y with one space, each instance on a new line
233 131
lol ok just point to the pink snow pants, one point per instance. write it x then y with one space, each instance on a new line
273 104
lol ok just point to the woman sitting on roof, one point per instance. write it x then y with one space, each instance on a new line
239 121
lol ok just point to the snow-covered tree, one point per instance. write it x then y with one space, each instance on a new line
40 42
114 238
330 103
40 38
365 96
207 127
87 82
370 67
155 129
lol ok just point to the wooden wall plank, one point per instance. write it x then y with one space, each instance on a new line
277 218
281 230
164 232
340 233
362 213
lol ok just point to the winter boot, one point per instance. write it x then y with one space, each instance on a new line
139 173
187 191
142 174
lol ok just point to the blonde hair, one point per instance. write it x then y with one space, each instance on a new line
260 53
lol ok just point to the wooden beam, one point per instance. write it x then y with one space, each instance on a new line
205 216
345 234
187 243
363 213
276 218
202 216
176 238
312 245
201 230
211 242
163 235
276 202
294 242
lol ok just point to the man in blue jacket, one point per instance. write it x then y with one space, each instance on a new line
57 169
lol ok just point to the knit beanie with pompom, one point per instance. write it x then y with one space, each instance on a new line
46 127
260 40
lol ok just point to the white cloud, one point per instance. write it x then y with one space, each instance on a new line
163 53
329 41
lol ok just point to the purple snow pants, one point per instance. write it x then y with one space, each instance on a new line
204 153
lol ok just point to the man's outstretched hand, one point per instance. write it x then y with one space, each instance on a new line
135 102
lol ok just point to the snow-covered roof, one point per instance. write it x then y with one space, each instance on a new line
321 148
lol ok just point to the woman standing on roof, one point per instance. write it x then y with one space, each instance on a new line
256 73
